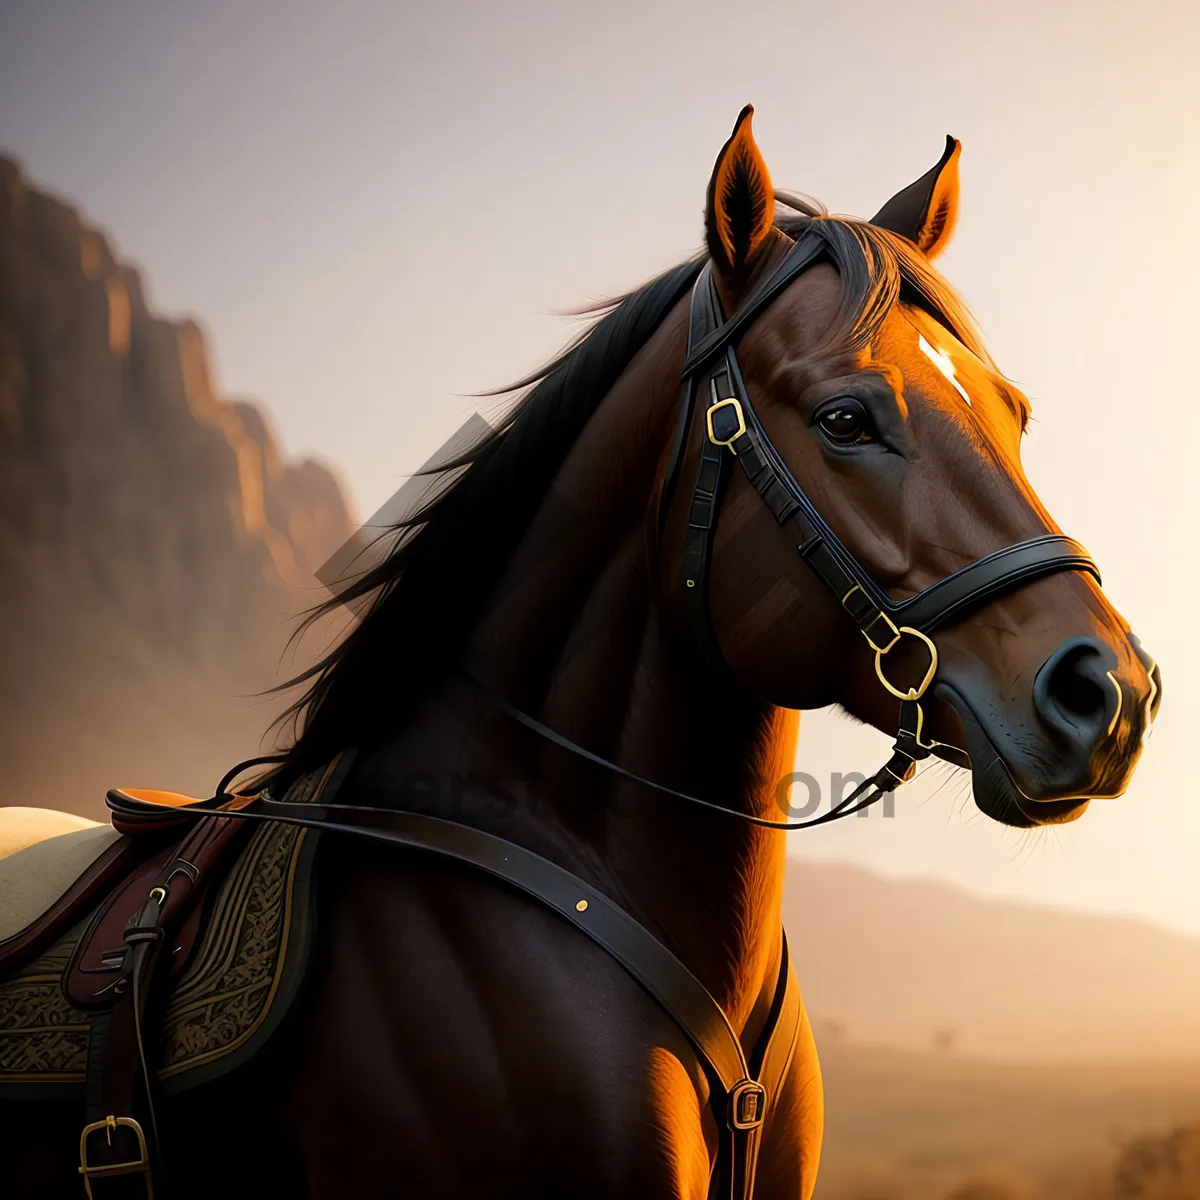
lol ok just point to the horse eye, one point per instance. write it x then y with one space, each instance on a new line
845 422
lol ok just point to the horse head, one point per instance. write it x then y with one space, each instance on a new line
868 381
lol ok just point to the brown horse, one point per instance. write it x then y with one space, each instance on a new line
460 1040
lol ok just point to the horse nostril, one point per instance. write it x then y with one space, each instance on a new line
1072 687
1075 691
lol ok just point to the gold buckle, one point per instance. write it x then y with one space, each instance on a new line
90 1171
913 693
741 420
747 1105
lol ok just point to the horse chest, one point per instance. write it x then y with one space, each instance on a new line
471 1041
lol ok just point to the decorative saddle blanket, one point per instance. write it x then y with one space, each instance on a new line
242 974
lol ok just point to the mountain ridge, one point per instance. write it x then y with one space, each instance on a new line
905 962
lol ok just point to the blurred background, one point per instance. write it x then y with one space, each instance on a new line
254 259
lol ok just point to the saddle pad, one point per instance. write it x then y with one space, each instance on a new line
247 967
21 827
34 877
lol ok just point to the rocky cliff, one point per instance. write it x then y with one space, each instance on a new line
155 544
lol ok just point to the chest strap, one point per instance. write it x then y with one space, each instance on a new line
742 1089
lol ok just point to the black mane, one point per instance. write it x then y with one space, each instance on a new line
424 599
447 554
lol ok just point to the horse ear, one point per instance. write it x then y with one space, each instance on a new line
741 202
925 211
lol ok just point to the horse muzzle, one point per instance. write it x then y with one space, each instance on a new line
1078 739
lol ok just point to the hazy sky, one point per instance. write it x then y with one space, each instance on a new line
376 209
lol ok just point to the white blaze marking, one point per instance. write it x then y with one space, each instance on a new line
945 364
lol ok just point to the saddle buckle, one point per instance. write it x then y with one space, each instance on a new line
747 1105
91 1171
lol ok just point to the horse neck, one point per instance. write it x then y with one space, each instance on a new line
576 637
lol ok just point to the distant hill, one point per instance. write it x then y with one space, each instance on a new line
903 1125
894 962
154 542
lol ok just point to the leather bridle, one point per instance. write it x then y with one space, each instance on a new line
732 430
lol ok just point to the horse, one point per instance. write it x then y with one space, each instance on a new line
598 618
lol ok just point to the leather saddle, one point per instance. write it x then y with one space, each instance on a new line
169 957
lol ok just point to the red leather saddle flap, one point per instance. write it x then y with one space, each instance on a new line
100 954
184 870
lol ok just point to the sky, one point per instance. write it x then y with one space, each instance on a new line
376 210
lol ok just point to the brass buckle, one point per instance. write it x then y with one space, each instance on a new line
91 1171
735 404
913 693
747 1105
